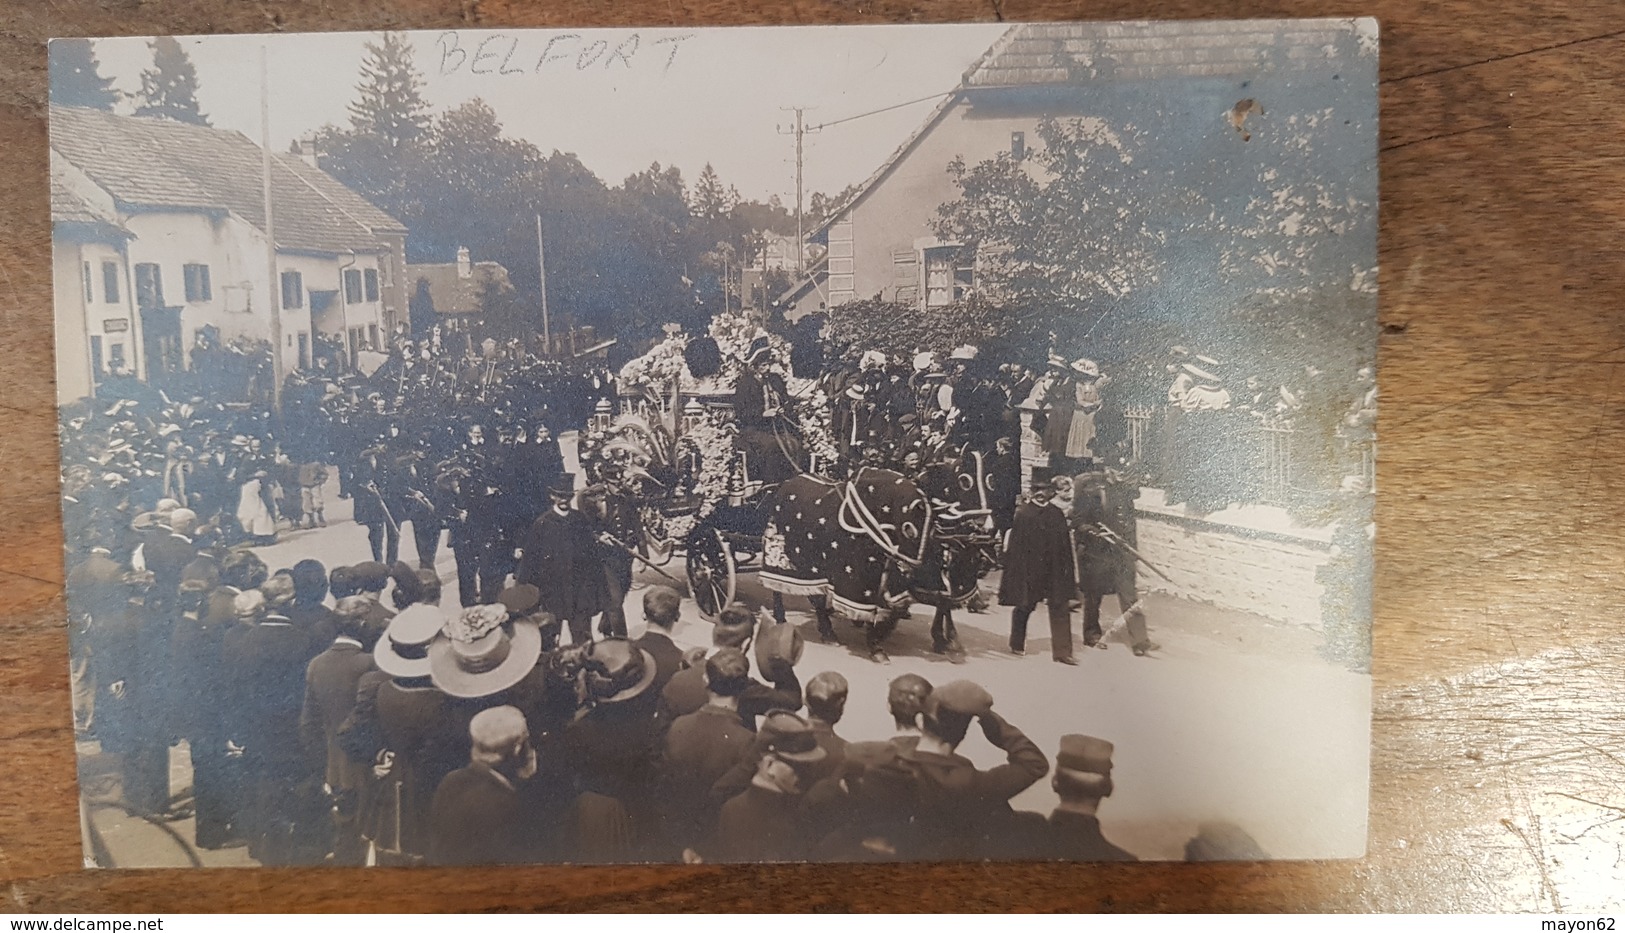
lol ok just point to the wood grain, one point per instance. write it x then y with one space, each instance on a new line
1499 732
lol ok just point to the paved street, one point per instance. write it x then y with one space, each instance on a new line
1235 718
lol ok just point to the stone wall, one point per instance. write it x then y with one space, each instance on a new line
1251 558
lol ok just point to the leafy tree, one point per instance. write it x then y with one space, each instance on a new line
711 201
390 107
76 80
821 206
169 87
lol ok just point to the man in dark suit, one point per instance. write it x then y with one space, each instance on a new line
826 704
701 747
265 657
962 811
1106 528
661 605
167 556
561 559
734 628
1083 778
479 816
331 680
1039 567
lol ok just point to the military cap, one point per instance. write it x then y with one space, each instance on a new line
1085 753
960 696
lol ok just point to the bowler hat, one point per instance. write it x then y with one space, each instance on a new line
370 575
618 670
789 737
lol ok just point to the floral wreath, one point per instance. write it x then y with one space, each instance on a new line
475 623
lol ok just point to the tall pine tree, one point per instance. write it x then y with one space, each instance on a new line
169 87
390 107
75 78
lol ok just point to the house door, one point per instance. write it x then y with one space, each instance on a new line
161 344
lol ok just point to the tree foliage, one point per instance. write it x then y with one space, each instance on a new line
624 258
169 87
75 75
390 107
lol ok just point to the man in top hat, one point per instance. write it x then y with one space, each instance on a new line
767 822
766 426
1083 778
479 815
963 812
561 559
1039 567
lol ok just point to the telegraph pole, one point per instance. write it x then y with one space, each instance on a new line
800 130
541 268
275 280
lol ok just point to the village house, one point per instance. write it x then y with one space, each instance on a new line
880 242
456 290
182 208
1191 84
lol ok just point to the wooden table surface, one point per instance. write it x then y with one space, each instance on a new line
1499 736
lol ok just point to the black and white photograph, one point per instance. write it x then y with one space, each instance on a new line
772 444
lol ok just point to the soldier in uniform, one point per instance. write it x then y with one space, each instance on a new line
1083 778
1106 529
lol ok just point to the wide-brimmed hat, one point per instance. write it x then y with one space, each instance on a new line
964 352
618 670
924 360
1086 367
468 662
1201 373
403 651
1058 362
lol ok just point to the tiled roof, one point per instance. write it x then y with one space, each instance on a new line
1038 54
451 293
69 208
1083 53
148 162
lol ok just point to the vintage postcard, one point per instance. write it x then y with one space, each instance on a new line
705 445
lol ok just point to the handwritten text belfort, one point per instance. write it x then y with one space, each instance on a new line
500 54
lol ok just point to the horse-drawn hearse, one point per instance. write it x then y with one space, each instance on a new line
859 541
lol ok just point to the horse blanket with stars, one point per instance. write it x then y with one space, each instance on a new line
854 542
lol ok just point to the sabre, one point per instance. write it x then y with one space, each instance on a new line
1117 539
608 539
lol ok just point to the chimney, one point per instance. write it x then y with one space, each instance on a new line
307 151
463 268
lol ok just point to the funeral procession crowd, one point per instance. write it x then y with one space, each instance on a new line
348 714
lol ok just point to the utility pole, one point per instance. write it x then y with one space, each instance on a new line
541 269
800 130
274 281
